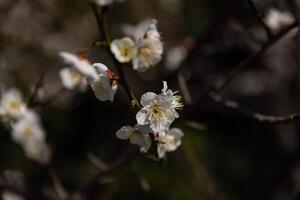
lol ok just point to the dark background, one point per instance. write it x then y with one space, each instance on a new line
224 155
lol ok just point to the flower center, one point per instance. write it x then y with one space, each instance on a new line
14 105
27 133
155 112
145 51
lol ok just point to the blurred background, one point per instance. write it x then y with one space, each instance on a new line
224 155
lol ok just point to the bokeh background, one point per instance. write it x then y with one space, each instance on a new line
224 155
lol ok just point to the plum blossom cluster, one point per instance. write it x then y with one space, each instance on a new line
154 119
25 124
143 46
82 73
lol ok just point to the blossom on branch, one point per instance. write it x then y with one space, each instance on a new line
276 20
159 110
102 80
138 135
12 106
122 49
169 141
72 79
105 85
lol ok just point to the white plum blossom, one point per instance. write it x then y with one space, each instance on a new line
100 78
72 79
148 48
146 54
28 129
138 135
277 20
12 105
104 85
105 2
139 31
7 195
159 110
169 141
122 49
29 133
80 63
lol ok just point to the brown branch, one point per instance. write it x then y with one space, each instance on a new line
38 85
100 14
223 82
256 116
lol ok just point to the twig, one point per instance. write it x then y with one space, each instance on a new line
124 159
58 186
256 116
100 14
222 83
34 93
259 17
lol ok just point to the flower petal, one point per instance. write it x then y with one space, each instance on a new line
142 117
148 98
125 132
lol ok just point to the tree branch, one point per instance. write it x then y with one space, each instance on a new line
256 116
100 14
223 82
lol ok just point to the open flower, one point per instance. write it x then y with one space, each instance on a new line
72 79
146 54
138 135
159 111
169 141
122 49
139 31
28 129
80 63
12 105
104 85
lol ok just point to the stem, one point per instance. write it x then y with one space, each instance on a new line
221 84
256 116
100 14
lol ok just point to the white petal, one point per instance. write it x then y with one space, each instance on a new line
100 68
102 88
142 117
125 132
148 98
83 66
161 152
122 49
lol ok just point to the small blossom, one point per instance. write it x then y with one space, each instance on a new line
104 85
28 129
139 31
169 141
146 54
277 20
72 79
122 49
7 195
159 111
80 63
12 105
138 135
38 151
